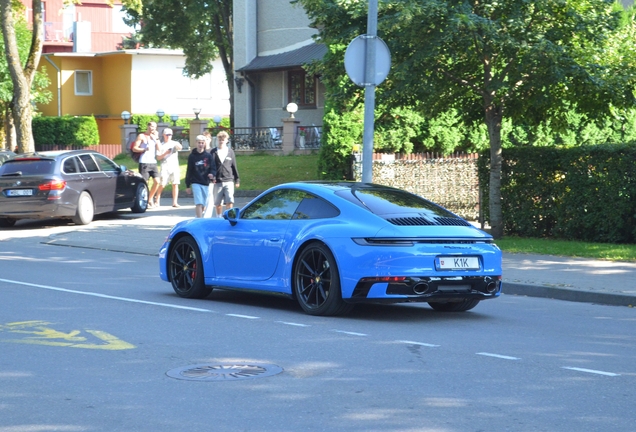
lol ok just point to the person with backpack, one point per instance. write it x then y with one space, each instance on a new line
147 145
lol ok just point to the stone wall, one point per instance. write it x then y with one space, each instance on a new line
450 181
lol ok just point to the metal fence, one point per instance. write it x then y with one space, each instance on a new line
259 138
307 137
271 138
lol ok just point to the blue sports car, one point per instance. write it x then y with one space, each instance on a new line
330 245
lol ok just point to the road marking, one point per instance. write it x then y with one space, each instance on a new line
498 356
39 334
293 324
104 296
242 316
592 371
350 333
417 343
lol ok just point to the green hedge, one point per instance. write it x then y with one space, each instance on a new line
340 132
65 130
583 193
142 121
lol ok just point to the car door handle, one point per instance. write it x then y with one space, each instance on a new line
274 239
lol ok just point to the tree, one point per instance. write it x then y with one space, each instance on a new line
22 75
39 92
491 60
202 29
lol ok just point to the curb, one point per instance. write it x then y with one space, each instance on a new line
167 193
569 294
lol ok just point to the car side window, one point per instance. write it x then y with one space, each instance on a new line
105 164
313 207
89 163
277 205
70 166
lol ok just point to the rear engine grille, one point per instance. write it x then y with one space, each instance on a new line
421 221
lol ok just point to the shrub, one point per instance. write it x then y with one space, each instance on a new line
583 193
340 132
65 130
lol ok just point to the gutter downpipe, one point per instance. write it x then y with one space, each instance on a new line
252 100
59 89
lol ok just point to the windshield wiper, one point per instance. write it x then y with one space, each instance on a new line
14 174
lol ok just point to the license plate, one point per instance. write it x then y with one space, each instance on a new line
20 192
457 263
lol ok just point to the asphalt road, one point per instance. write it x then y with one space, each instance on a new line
92 340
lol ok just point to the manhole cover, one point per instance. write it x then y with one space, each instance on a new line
224 372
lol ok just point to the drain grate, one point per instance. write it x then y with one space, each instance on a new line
224 372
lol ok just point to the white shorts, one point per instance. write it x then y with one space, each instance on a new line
170 176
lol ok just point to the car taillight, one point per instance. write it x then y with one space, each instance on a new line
396 279
53 185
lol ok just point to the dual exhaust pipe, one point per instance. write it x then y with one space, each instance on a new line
422 287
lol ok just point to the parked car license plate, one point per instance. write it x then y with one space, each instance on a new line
457 263
20 192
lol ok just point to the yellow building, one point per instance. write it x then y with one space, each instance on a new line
138 81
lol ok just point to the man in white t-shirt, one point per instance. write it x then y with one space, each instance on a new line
170 172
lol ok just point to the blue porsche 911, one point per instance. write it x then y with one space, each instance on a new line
330 245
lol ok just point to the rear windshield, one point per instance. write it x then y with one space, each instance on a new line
27 167
385 201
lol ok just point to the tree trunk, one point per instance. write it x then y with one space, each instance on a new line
6 121
22 76
21 113
493 122
224 29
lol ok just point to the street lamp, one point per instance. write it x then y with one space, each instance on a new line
196 111
125 115
291 109
160 114
217 119
173 119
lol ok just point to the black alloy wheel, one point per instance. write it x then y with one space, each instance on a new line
185 269
460 306
317 282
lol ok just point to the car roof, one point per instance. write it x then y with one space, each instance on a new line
54 154
337 185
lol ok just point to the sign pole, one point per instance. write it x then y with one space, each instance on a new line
369 93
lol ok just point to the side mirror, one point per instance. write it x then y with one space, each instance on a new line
123 168
232 215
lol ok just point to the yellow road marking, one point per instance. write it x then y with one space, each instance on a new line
43 335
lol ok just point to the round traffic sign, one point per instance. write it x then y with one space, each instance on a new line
356 60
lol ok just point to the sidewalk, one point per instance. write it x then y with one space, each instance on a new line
571 279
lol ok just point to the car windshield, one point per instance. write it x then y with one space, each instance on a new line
27 167
387 201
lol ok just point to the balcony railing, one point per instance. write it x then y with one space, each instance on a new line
260 138
54 31
307 137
